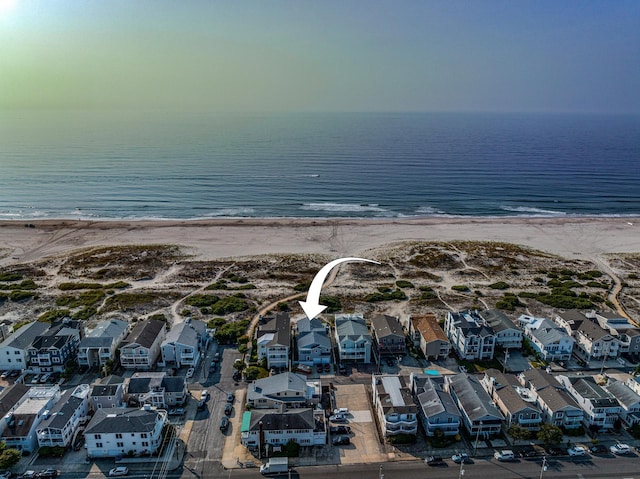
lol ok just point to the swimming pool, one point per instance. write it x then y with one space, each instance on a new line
431 372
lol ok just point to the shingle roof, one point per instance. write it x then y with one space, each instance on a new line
432 399
573 317
145 333
352 328
314 338
143 382
623 393
182 333
10 396
592 330
498 321
305 325
288 420
113 420
62 411
471 323
549 333
277 383
472 397
427 325
111 328
23 337
95 342
549 390
107 386
587 387
22 423
280 327
385 325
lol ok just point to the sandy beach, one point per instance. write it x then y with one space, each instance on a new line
588 238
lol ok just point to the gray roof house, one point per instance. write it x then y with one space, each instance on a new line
353 338
513 400
141 347
314 347
393 403
107 392
480 415
274 341
601 409
629 401
289 390
556 404
273 428
552 341
507 334
470 335
13 350
388 335
436 408
99 346
156 389
593 342
61 423
183 343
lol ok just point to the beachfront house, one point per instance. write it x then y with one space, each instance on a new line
437 410
50 351
394 405
141 347
470 335
388 335
13 350
314 344
507 334
627 333
286 390
551 341
121 432
353 338
274 341
601 409
183 343
61 423
99 345
428 337
594 343
263 430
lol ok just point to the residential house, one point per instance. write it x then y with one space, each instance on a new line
156 389
551 341
22 422
141 347
118 432
394 405
51 350
629 402
634 383
388 335
288 390
10 398
108 392
480 415
99 345
274 341
61 423
314 344
514 401
268 428
6 329
507 334
595 343
353 338
428 336
13 350
601 409
627 333
570 320
436 408
183 344
557 405
470 335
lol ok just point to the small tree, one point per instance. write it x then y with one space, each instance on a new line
550 434
8 457
518 433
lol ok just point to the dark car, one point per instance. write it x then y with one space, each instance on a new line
340 430
48 474
230 398
237 375
461 457
435 461
531 454
599 449
228 409
341 440
224 423
342 369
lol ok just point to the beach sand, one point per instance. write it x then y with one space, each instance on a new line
587 238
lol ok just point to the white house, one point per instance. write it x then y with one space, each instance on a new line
289 390
99 345
353 338
507 334
470 335
124 431
601 409
551 341
394 405
61 423
141 348
156 388
629 402
13 350
182 345
304 426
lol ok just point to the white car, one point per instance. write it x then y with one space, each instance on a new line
35 379
504 455
577 451
619 449
204 395
190 372
118 471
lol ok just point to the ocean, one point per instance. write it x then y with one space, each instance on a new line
133 165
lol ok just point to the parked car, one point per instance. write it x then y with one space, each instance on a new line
48 474
341 440
190 372
45 377
237 375
178 411
202 405
29 475
118 471
327 368
531 454
228 409
14 374
435 461
35 379
577 451
204 395
224 423
339 418
620 449
461 457
5 474
5 374
340 430
342 369
213 368
599 449
216 357
230 397
504 455
389 361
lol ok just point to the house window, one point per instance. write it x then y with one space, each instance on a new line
143 435
119 444
98 436
118 436
145 444
98 444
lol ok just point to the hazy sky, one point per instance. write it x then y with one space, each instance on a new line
336 55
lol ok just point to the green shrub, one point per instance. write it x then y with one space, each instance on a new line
398 294
401 283
228 305
200 300
19 295
10 277
460 287
302 287
499 285
402 439
332 303
74 286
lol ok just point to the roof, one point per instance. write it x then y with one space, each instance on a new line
471 323
592 330
573 317
507 388
587 388
280 327
96 342
10 396
278 383
280 421
61 411
433 399
548 389
497 320
182 333
145 333
20 425
117 420
314 338
623 393
143 382
107 386
23 337
549 333
385 325
394 395
306 325
427 325
472 397
54 341
111 328
353 328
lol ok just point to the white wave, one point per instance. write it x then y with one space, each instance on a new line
342 207
531 210
233 212
429 210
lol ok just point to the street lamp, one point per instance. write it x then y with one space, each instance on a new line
544 466
380 475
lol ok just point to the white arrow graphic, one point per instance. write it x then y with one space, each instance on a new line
312 306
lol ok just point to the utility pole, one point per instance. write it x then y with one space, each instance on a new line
461 469
380 475
475 447
544 466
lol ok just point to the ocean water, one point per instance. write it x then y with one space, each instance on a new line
112 165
